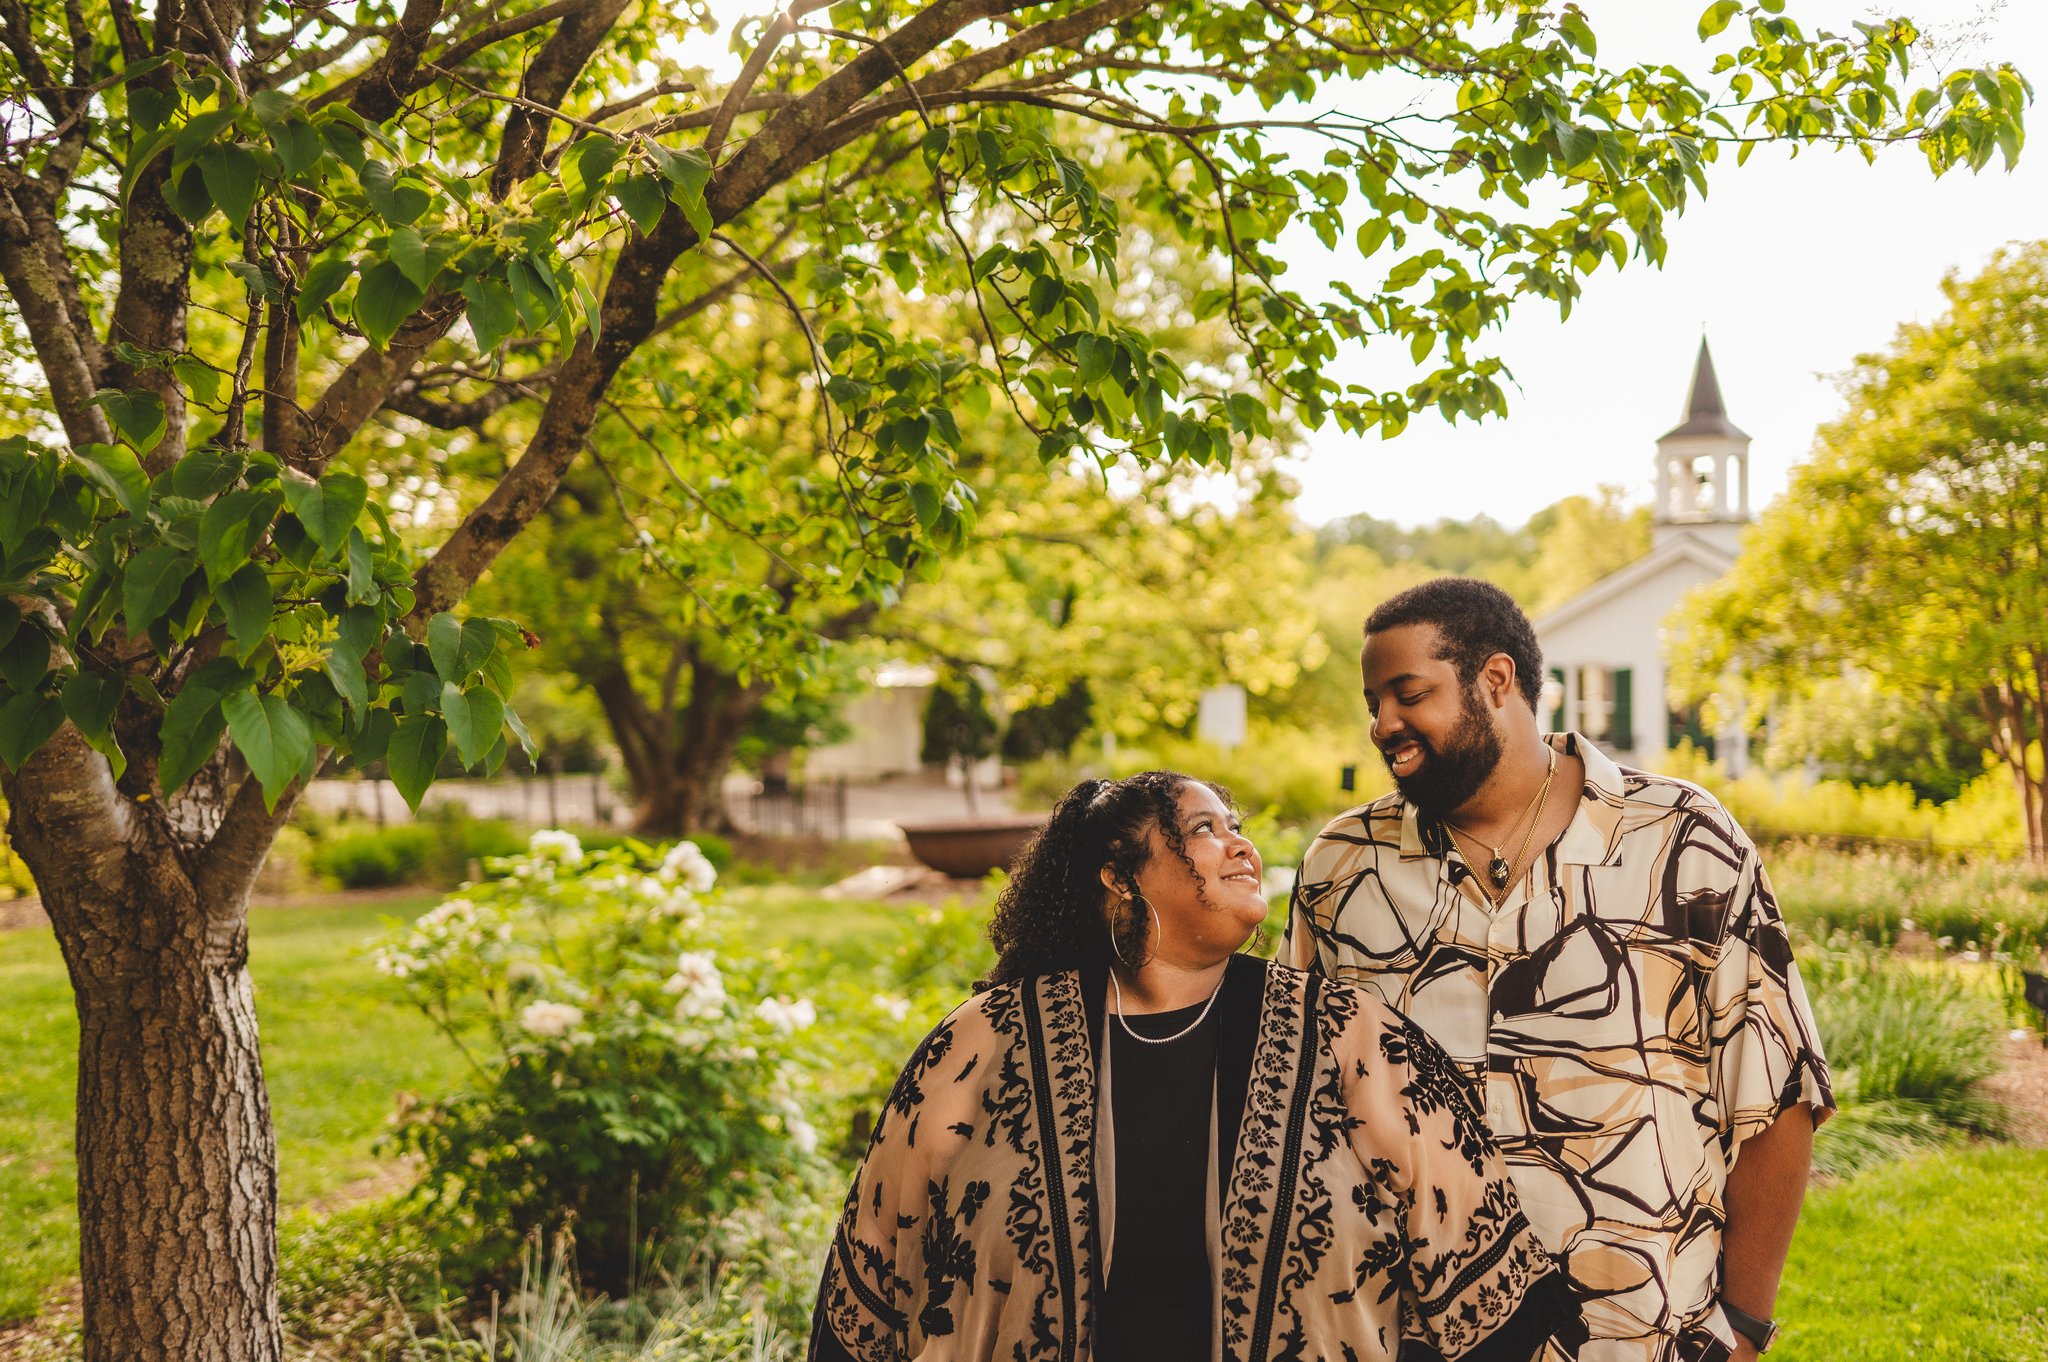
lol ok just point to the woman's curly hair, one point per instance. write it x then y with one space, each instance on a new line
1049 916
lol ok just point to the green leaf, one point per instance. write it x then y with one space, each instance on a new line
474 718
518 727
384 299
586 163
26 723
362 570
193 722
246 603
25 661
116 469
232 174
533 298
399 202
372 738
689 173
231 529
459 647
1717 16
492 316
409 252
137 414
297 143
202 378
924 502
416 747
329 508
344 668
273 737
641 197
151 584
90 698
321 282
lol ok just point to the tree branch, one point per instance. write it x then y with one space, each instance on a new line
67 351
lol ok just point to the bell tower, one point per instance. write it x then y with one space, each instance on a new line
1703 468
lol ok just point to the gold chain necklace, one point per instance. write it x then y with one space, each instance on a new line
1500 870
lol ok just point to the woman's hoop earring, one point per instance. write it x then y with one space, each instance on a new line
1146 905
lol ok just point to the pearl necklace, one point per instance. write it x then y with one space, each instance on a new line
1160 1040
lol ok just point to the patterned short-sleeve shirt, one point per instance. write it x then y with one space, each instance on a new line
1628 1015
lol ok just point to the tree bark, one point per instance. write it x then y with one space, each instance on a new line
177 1159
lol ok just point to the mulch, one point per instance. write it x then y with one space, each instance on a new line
2023 1086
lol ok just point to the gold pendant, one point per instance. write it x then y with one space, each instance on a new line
1498 871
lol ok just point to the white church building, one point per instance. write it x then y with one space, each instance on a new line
1604 648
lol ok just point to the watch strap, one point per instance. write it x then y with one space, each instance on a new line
1762 1332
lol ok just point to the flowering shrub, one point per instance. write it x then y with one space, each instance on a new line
632 1069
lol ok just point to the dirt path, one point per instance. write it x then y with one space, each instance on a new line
2023 1087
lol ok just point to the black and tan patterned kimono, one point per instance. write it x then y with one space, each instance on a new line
1361 1203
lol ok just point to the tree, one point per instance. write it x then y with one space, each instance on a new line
232 234
1910 556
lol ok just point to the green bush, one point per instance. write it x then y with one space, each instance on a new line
1909 1043
437 850
1964 903
1986 815
634 1070
15 881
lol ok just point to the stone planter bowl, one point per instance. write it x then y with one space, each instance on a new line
970 848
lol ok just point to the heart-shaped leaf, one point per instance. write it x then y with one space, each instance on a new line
415 749
474 719
26 723
116 469
328 509
152 583
273 737
384 299
245 602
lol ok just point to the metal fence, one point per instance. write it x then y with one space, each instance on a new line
548 800
792 810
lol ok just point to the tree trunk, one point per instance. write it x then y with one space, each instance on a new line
177 1159
685 792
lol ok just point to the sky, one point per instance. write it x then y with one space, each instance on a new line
1791 267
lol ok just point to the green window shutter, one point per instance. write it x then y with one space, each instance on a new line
1621 732
1557 710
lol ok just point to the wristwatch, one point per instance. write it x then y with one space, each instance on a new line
1762 1332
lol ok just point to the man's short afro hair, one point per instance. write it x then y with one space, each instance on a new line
1474 620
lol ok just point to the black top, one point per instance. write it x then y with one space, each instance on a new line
1158 1302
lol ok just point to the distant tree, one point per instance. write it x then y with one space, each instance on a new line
1911 552
1578 541
960 730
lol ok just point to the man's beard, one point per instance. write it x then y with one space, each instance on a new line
1451 774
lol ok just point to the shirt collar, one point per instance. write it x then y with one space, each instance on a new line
1593 837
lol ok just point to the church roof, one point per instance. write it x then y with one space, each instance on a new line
1704 412
1680 547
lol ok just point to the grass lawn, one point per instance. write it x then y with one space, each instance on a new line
1942 1256
335 1045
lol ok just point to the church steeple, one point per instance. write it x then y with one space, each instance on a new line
1704 412
1703 464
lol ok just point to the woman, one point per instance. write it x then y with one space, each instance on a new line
1136 1144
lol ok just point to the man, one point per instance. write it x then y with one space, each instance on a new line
1599 951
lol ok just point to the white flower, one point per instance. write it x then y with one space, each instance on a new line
523 972
700 985
897 1008
803 1134
786 1017
686 864
552 844
1905 924
550 1020
397 964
